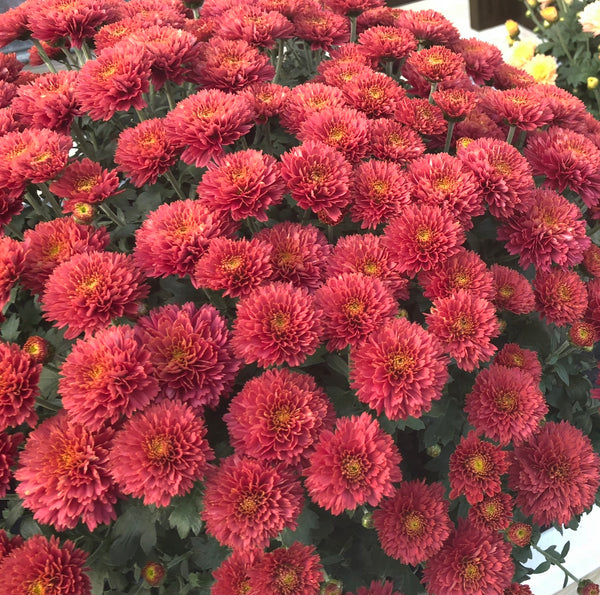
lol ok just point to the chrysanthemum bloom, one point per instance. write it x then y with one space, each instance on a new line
106 377
589 18
510 77
513 292
277 323
254 24
49 101
543 69
9 444
422 116
455 103
399 370
173 237
114 82
299 253
63 474
51 243
112 33
144 152
387 43
566 159
505 404
10 206
380 191
523 107
477 125
321 28
374 17
413 523
493 513
8 543
555 474
446 181
266 99
339 73
587 587
352 306
294 570
344 129
591 260
247 502
231 65
374 94
392 141
593 311
189 347
548 230
235 267
85 181
437 63
560 296
481 58
422 237
278 416
428 26
153 573
44 566
356 464
567 110
471 561
168 12
242 184
13 25
519 534
231 577
205 122
367 254
504 174
160 452
352 7
377 588
91 289
526 360
9 121
12 263
7 93
583 334
12 146
19 378
318 177
465 270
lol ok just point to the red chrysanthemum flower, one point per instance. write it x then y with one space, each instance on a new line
160 452
12 146
428 26
436 64
352 7
167 12
9 443
566 159
13 24
555 474
455 103
254 24
48 101
373 17
344 129
63 475
373 93
465 325
583 334
231 577
321 28
518 589
513 292
477 125
339 73
318 177
19 378
504 174
471 561
587 587
392 141
242 184
510 77
413 523
548 230
567 110
522 107
476 467
43 565
446 181
91 289
505 404
367 254
293 570
8 543
380 191
267 100
481 58
112 33
519 534
114 82
493 513
352 306
85 181
422 116
277 323
189 347
231 65
383 43
235 267
422 237
399 370
560 296
465 270
377 588
247 502
106 377
206 122
12 264
174 236
526 360
591 260
355 464
299 253
278 416
145 152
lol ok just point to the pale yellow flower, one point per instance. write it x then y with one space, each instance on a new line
542 68
589 18
522 52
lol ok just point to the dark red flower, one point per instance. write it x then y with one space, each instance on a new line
383 43
12 264
493 513
519 534
513 292
560 296
321 28
513 356
373 94
392 141
9 443
481 58
255 24
428 26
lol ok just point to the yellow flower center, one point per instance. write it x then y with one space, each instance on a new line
471 571
414 524
159 449
232 264
337 133
280 322
250 503
479 464
287 581
354 308
281 419
85 184
506 401
463 326
424 236
353 468
399 364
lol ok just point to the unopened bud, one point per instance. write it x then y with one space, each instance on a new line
37 348
83 213
587 587
367 520
519 534
435 450
592 82
512 27
549 14
332 587
153 573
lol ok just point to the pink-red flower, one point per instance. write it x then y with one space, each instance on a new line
560 296
384 43
373 93
555 474
160 452
12 263
255 24
513 292
356 464
393 141
231 577
9 443
436 64
523 107
513 356
321 28
428 26
377 588
493 513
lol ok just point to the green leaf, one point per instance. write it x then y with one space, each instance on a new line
135 527
207 553
185 517
542 567
337 364
10 328
307 521
562 373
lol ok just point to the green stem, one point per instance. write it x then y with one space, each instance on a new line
86 51
46 404
170 100
67 54
279 62
176 186
266 132
13 231
555 563
451 125
564 45
111 215
36 206
82 140
511 134
141 115
44 56
352 28
389 67
432 90
50 198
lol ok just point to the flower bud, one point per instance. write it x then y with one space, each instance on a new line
549 14
583 335
367 520
519 534
435 450
332 587
512 27
83 213
153 573
592 82
532 3
587 587
37 348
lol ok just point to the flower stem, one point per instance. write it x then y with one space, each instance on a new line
279 62
432 90
555 562
13 231
44 56
37 206
171 101
511 134
86 51
451 125
352 28
50 198
111 215
176 186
